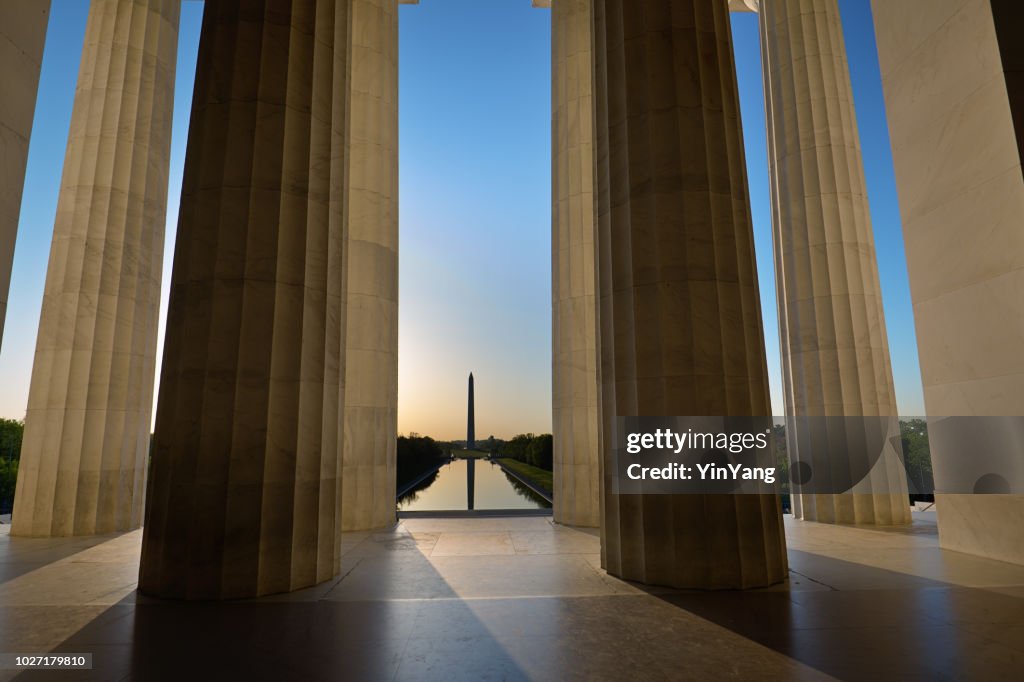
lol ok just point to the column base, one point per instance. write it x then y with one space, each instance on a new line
983 525
862 510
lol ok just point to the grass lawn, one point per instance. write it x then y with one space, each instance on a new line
542 478
469 454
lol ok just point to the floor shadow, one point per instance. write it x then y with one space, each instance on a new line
323 633
20 555
911 628
396 613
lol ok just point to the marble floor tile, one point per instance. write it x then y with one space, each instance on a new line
525 599
472 544
557 541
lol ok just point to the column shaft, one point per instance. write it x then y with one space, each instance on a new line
954 96
680 316
244 497
22 33
83 462
575 387
835 352
371 405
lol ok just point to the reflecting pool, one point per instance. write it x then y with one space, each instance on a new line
471 484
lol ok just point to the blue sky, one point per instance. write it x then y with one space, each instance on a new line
475 206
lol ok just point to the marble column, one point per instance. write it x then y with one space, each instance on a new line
835 352
83 462
371 400
575 387
22 33
680 318
951 76
245 489
743 5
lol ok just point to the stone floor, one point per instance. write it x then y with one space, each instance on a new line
519 598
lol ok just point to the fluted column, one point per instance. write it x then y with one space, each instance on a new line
83 463
954 100
371 405
22 33
835 353
680 317
245 492
574 376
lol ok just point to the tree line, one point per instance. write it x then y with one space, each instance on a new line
535 450
11 432
917 458
416 455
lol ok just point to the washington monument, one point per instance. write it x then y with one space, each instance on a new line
470 430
